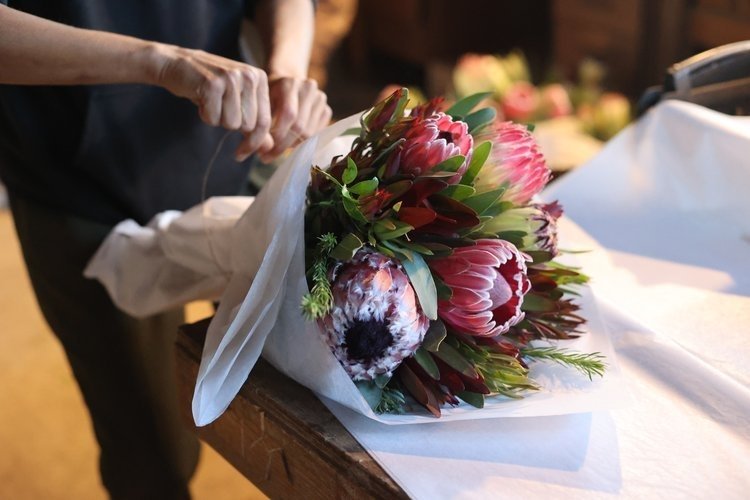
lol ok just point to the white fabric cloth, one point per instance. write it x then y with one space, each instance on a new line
667 201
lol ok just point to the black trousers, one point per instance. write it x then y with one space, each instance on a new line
124 367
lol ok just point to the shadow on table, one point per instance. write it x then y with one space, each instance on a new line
578 450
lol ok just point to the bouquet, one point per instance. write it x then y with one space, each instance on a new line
391 261
431 269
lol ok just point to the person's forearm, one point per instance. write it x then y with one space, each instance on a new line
286 27
35 51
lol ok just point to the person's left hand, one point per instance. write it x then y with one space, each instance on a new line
298 110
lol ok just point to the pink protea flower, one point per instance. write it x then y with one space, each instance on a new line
375 322
520 102
430 141
555 101
515 161
488 282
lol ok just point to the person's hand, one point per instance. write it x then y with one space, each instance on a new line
227 93
299 110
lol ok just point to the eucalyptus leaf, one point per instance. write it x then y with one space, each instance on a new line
465 105
424 286
424 358
478 159
382 380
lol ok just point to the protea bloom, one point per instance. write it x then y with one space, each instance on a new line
430 141
555 101
375 321
488 282
520 102
544 223
515 161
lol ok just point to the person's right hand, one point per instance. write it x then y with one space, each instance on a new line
228 93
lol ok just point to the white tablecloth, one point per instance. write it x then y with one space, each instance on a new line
667 201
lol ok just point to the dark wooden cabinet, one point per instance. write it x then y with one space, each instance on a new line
638 39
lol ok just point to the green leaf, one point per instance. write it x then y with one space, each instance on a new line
428 364
539 256
352 131
382 380
421 279
478 158
385 235
386 251
370 391
455 360
435 335
474 399
352 209
537 303
444 291
365 187
450 164
498 208
350 172
416 247
480 118
458 191
346 249
481 202
465 105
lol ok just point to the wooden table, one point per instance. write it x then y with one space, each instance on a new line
280 436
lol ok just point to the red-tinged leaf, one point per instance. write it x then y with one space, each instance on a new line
542 283
397 189
422 189
453 358
418 390
475 384
416 216
453 382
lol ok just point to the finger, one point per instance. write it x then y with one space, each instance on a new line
308 96
210 98
249 108
284 108
231 111
323 118
255 138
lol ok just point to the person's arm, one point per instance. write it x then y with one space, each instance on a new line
35 51
298 107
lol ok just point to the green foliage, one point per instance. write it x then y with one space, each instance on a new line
319 300
423 283
465 105
589 364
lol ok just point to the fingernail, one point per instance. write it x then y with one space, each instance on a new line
242 157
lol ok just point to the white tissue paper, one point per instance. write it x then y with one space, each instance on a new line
666 200
251 253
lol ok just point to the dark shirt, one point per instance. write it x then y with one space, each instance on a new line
112 152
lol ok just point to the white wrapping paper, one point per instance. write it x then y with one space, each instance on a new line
666 200
254 258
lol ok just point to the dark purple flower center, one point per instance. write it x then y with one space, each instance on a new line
366 340
444 134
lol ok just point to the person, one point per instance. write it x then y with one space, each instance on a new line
98 123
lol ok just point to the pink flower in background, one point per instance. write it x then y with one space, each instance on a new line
555 101
429 142
375 321
488 282
515 161
520 102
